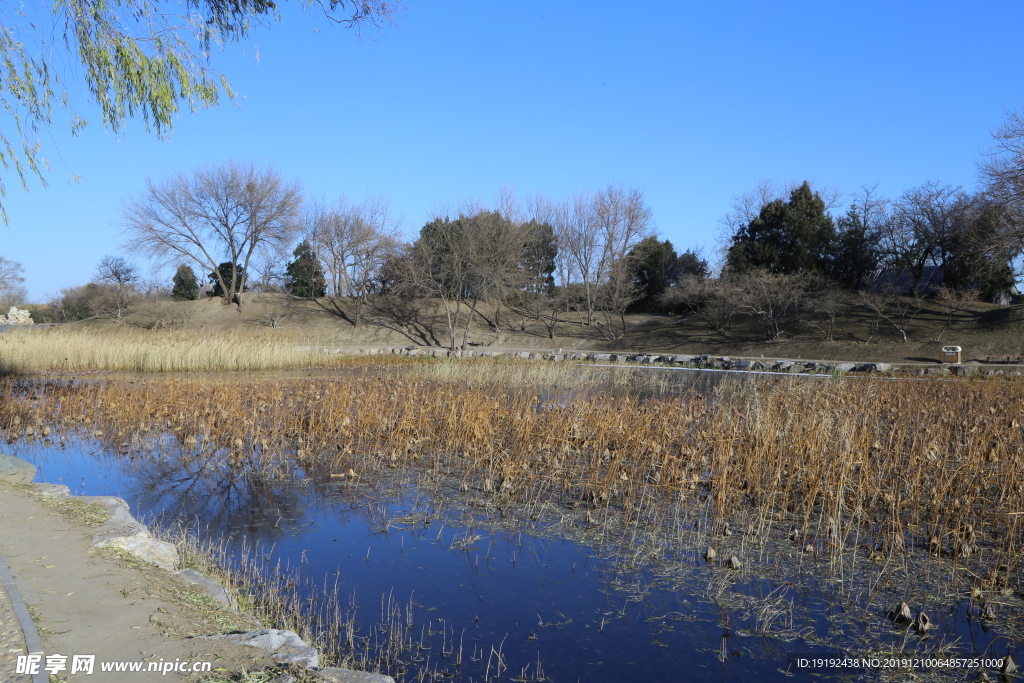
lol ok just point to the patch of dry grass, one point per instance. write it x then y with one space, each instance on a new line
89 514
75 348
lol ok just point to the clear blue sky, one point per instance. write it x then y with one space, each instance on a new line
693 103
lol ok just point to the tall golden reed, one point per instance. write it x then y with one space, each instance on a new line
890 463
134 349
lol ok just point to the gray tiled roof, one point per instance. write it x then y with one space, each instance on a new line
900 280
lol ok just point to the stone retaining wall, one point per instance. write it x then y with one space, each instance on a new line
704 361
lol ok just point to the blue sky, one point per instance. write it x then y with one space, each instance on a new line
692 103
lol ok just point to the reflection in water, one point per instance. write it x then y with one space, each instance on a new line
482 589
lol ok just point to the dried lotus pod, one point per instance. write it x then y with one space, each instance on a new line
901 613
923 624
734 562
710 554
965 548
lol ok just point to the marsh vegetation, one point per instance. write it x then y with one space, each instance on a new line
873 490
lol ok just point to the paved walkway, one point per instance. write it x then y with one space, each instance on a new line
12 642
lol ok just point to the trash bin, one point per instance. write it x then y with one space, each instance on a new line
951 354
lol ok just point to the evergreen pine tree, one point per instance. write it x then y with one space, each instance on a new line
305 277
794 236
225 272
856 250
186 285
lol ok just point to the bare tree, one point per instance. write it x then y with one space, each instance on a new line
954 300
443 266
532 294
918 228
615 295
118 271
121 277
1003 172
216 214
773 299
893 307
269 277
713 300
353 242
595 233
403 295
11 291
825 308
580 247
10 273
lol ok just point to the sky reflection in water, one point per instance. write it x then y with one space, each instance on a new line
524 591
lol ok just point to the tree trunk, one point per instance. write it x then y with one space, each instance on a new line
453 325
469 321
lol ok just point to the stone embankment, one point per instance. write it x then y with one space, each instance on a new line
121 530
701 362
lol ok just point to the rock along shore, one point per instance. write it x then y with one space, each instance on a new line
697 362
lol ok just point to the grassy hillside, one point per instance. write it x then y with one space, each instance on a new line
985 329
277 320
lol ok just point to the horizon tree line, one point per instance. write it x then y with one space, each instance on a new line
594 254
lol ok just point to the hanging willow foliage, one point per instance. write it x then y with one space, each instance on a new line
135 58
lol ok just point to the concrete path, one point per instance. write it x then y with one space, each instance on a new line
84 602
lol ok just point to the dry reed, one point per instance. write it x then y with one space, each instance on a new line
890 464
76 348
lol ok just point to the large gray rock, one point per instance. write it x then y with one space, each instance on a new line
214 589
15 470
284 646
845 367
331 674
127 533
58 490
17 317
874 367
